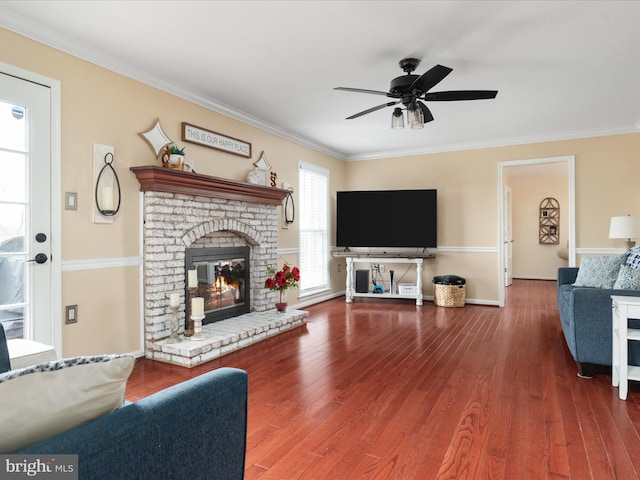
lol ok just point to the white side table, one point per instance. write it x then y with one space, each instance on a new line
623 308
25 353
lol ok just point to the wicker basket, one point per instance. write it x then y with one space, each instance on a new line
449 295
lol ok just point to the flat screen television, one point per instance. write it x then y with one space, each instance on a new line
387 218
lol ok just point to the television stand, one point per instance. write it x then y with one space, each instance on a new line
382 257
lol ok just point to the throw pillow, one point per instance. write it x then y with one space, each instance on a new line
633 257
43 400
599 272
628 278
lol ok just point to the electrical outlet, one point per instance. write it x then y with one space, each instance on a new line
72 314
339 267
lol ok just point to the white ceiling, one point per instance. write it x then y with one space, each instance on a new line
563 69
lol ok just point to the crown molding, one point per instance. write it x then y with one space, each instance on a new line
52 38
47 36
505 142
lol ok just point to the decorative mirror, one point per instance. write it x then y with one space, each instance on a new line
156 138
549 221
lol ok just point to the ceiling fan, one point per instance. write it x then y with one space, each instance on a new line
412 90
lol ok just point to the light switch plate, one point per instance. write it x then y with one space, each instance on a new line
71 314
70 201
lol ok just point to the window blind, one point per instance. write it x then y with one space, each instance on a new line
313 184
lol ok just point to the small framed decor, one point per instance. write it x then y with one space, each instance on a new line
549 222
259 175
217 141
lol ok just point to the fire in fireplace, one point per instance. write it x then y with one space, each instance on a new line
223 281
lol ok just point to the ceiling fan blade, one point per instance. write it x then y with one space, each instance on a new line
362 90
373 109
429 79
426 113
460 95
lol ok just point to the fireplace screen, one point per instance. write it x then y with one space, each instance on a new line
223 280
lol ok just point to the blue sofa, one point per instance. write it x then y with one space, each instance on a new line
585 313
193 430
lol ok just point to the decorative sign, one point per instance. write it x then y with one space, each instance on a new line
207 138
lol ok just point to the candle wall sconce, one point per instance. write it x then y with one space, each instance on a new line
107 193
289 207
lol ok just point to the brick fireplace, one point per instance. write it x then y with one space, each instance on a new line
188 210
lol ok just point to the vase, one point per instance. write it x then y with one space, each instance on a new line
281 304
176 161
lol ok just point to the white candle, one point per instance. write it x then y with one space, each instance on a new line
193 278
106 198
174 300
197 307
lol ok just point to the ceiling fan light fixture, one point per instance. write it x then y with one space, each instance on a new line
412 89
397 119
415 118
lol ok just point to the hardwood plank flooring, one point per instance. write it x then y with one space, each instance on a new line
382 389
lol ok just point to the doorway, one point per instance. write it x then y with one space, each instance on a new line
29 227
532 167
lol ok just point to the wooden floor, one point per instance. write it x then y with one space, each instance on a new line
383 389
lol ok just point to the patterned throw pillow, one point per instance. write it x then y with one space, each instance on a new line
633 257
599 272
43 400
628 278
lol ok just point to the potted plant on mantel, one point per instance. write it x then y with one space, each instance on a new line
281 281
173 157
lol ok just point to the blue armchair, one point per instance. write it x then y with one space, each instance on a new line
5 361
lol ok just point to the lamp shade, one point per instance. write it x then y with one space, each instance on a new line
397 120
415 118
625 227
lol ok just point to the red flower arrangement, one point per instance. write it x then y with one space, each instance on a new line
283 279
280 281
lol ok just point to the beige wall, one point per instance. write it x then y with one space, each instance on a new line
99 106
530 258
467 181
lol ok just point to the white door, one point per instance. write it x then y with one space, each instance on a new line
508 238
25 209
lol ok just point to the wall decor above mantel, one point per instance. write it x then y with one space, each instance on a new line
217 141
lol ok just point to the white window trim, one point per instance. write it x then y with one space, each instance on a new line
327 286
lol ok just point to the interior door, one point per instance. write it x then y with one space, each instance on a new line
25 209
508 237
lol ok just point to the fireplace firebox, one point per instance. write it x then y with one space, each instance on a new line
223 281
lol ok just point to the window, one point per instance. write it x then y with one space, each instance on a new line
313 184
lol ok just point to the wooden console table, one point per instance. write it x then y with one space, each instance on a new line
352 258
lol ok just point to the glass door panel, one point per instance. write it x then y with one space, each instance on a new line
14 278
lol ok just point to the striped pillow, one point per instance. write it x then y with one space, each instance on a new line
633 257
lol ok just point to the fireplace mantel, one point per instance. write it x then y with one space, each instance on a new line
153 178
